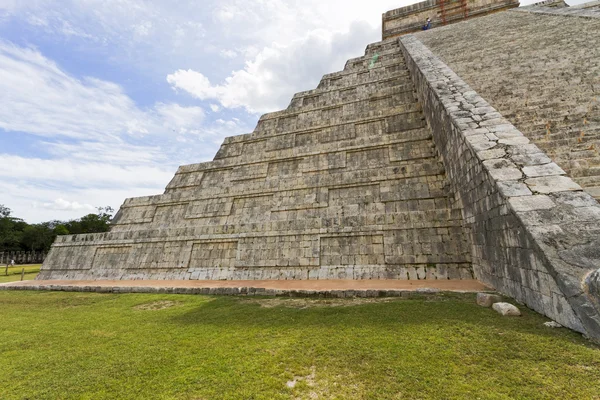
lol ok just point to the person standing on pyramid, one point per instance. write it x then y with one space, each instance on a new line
427 25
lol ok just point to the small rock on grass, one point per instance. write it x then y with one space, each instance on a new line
553 324
487 299
506 309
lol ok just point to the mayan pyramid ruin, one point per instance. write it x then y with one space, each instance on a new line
467 151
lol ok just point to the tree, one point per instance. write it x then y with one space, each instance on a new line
17 235
11 230
60 230
38 237
4 211
91 223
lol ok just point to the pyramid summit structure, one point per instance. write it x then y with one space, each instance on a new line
468 151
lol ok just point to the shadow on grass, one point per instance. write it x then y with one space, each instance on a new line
446 311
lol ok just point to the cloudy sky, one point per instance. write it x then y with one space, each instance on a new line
101 100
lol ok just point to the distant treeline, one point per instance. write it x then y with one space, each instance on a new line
18 235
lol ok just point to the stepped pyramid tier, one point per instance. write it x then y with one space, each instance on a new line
346 183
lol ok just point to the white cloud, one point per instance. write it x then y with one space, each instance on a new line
36 20
98 146
142 29
65 205
74 173
31 186
268 82
227 12
8 5
115 153
180 119
228 53
26 200
39 98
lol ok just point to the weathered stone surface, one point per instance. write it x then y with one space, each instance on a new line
593 286
514 189
491 154
506 309
503 170
543 170
523 63
530 247
530 203
552 324
583 255
559 7
488 299
552 184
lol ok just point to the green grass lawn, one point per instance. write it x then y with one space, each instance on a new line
104 346
14 273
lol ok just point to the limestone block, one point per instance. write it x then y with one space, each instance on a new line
185 180
514 189
135 215
543 170
552 184
229 150
531 203
506 309
503 170
209 208
575 199
284 168
488 299
491 154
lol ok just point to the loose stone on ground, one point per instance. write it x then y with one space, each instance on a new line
506 309
487 299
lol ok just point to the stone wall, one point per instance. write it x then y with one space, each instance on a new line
541 72
22 257
535 233
345 183
412 18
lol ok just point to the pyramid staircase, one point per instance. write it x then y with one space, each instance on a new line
346 183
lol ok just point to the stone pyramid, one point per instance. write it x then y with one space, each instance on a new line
346 183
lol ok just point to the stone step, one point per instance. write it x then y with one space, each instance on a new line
339 78
358 112
400 94
577 138
320 145
303 221
328 117
405 158
350 81
367 59
417 226
377 47
404 91
419 166
425 284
